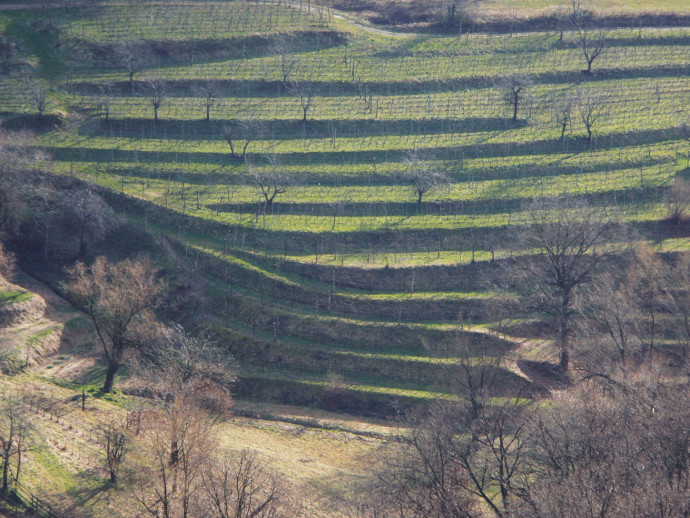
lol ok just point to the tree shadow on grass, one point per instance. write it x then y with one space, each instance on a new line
30 122
89 495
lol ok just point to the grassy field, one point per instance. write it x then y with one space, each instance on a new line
347 208
633 6
324 458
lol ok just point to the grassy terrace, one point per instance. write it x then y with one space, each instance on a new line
14 297
344 282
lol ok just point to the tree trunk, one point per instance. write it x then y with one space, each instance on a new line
19 465
419 201
131 81
208 112
113 367
82 243
5 472
565 353
515 109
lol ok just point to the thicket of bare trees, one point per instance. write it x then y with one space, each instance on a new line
607 448
179 469
181 472
17 161
622 454
57 216
7 262
615 444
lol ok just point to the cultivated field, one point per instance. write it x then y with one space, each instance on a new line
343 290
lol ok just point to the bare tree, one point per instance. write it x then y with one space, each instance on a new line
132 58
677 200
424 479
191 367
157 92
572 240
119 299
242 132
269 181
495 455
104 99
36 94
14 432
592 41
176 446
284 53
562 111
209 91
306 92
115 442
241 487
592 107
423 176
514 89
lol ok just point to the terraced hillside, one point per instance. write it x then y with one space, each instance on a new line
276 151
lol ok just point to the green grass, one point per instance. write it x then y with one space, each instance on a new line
37 339
348 212
14 297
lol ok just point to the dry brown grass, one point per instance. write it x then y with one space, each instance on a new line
65 464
